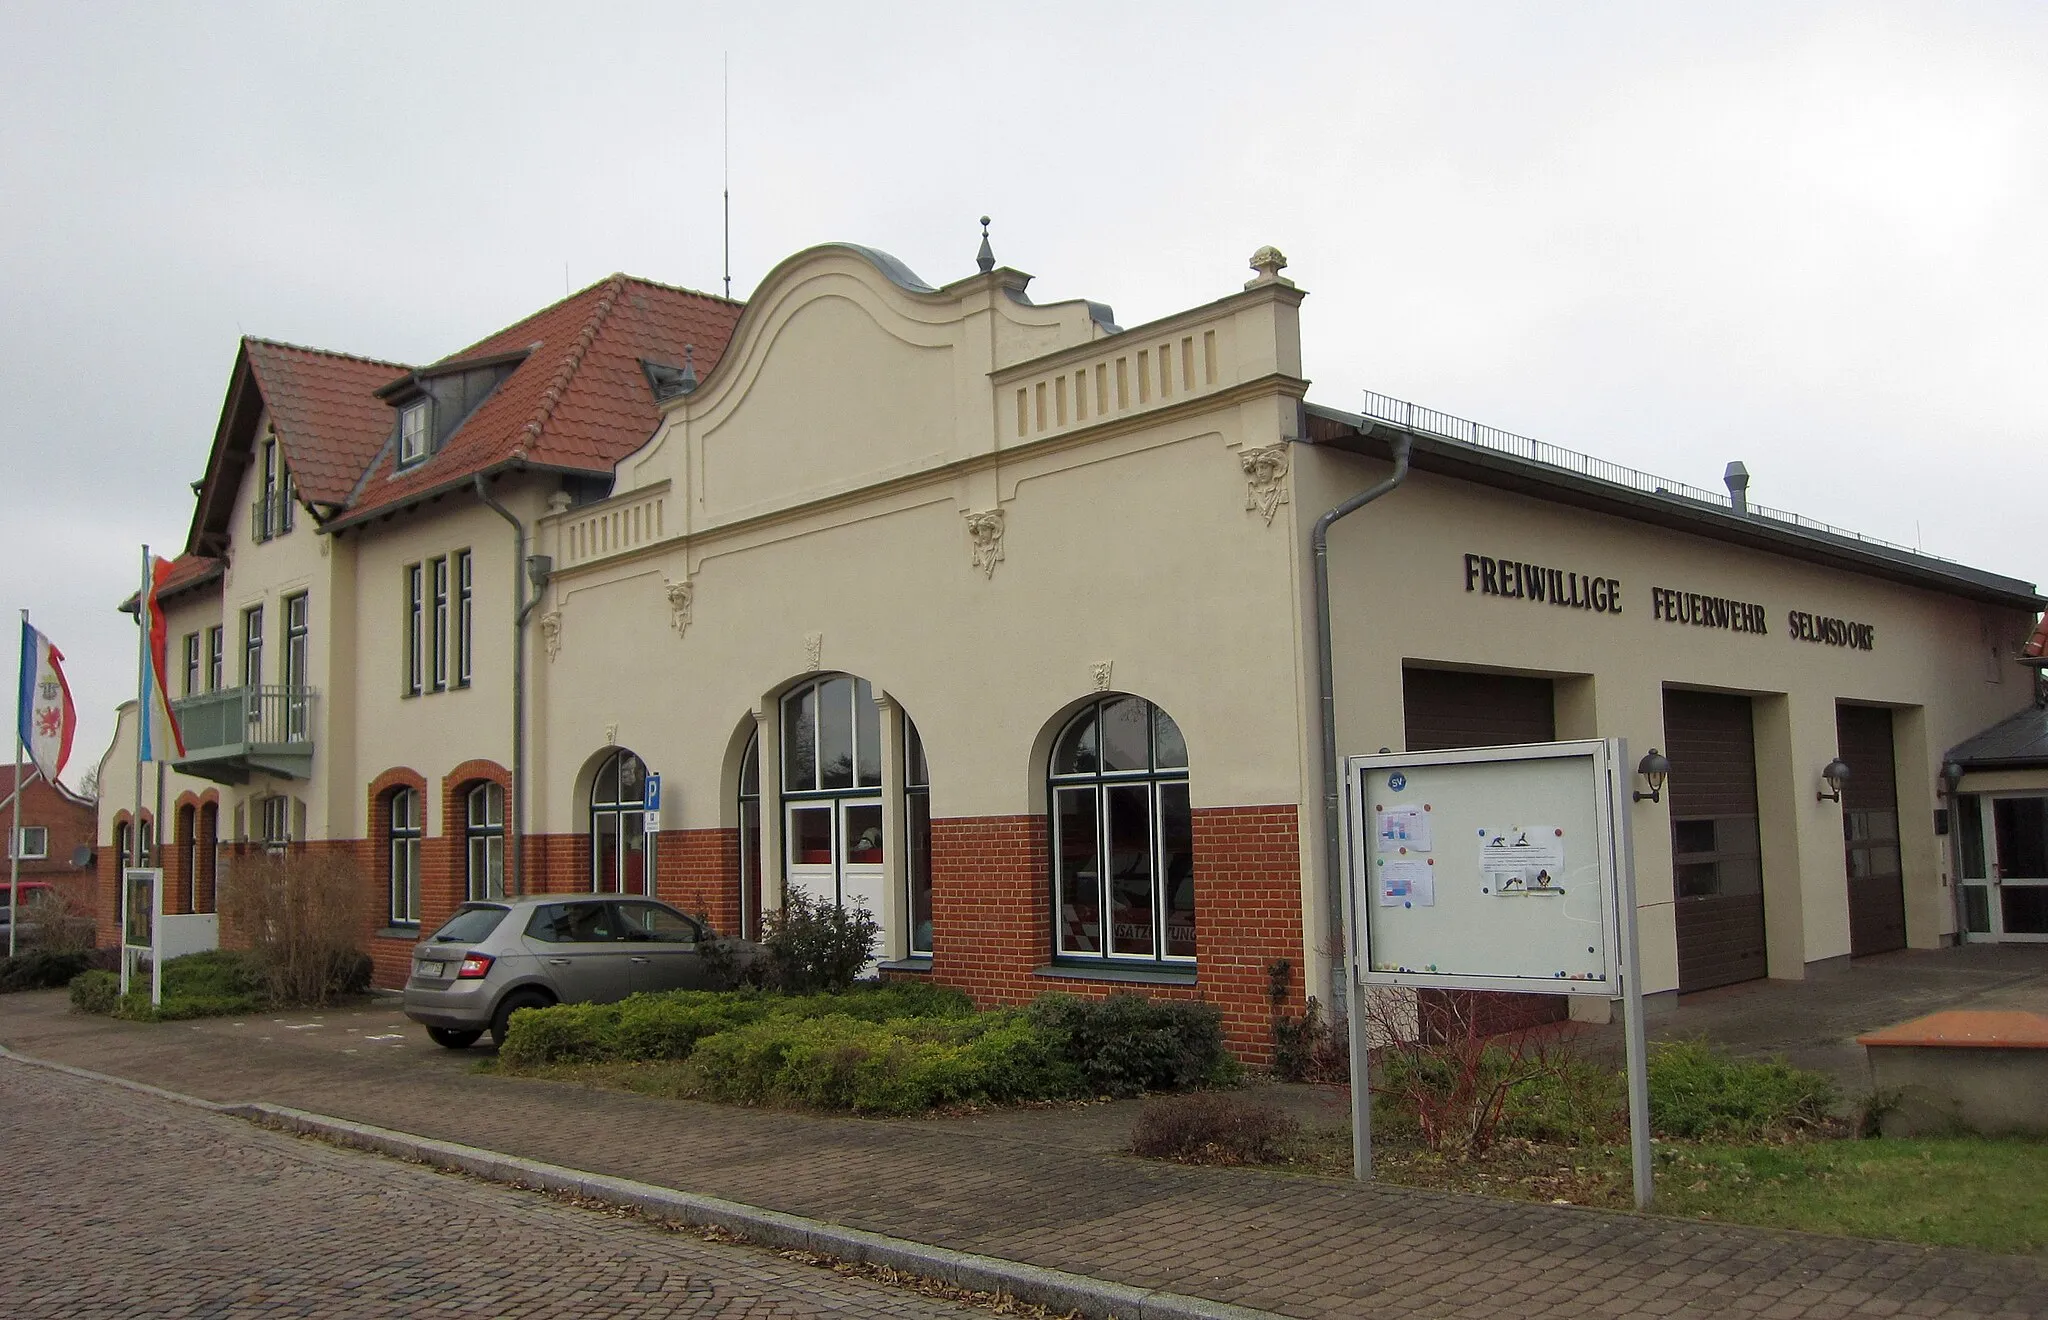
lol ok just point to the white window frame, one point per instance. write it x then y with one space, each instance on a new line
41 835
484 835
403 854
415 432
465 616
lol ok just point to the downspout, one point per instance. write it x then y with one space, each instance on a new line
1333 847
522 608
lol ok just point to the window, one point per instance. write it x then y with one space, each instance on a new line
413 432
750 840
216 646
464 616
486 836
121 857
619 846
294 676
917 829
252 646
406 832
831 736
437 633
191 664
277 821
1122 835
415 625
653 922
263 518
574 923
287 502
33 843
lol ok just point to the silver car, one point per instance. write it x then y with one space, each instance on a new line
492 959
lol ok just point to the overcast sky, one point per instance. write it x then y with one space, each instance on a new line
1813 237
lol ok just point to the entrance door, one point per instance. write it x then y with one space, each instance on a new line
1870 831
834 850
1717 853
2013 832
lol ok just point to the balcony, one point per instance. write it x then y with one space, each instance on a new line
233 734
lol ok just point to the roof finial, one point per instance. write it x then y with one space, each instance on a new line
688 384
986 258
1268 261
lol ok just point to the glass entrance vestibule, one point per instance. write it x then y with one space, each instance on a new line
2002 862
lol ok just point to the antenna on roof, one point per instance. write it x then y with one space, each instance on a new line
728 129
727 126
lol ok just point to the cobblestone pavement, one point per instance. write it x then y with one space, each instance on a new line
1046 1187
119 1204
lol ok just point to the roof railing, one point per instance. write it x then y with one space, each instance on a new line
1428 421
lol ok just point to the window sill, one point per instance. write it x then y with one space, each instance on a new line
410 934
916 963
1115 972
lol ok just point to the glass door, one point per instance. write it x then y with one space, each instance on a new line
811 845
2018 828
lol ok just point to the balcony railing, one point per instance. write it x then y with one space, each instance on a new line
270 514
234 733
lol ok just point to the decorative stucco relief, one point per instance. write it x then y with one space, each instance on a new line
1100 670
682 599
1265 486
985 537
551 632
814 652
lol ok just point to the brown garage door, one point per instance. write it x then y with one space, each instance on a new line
1445 708
1717 854
1870 831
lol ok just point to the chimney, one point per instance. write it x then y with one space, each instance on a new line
1737 477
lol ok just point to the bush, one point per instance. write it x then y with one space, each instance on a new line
95 992
1213 1127
1697 1091
62 925
1126 1044
302 915
1308 1048
1446 1071
41 970
900 1066
812 945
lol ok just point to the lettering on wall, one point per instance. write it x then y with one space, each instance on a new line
1556 586
1828 631
1690 607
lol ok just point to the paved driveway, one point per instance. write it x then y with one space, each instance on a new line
120 1204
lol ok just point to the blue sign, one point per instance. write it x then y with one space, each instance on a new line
1397 781
653 799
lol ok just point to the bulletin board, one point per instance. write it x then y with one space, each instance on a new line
1488 868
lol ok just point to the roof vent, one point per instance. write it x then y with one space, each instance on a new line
1737 477
669 382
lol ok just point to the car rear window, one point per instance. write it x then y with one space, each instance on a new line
470 923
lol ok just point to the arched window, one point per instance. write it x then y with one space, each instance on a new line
619 850
750 840
188 854
917 829
406 824
1122 835
205 889
831 791
485 833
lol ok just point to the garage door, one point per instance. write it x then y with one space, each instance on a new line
1444 708
1870 831
1717 854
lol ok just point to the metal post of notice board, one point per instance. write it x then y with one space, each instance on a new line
1464 960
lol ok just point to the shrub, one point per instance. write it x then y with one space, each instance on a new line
61 924
41 970
1697 1091
1126 1044
813 945
1308 1048
1212 1127
302 915
95 992
1443 1068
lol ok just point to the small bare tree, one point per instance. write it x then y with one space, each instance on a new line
55 922
1438 1057
302 916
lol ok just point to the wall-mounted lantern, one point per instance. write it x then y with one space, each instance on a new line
1951 776
1655 770
1836 774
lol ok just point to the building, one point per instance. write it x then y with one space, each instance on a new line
55 840
1998 782
1000 618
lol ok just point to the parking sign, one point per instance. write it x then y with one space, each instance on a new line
653 799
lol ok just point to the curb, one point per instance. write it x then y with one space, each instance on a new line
1056 1290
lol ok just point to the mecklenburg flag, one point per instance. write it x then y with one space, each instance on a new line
160 731
47 719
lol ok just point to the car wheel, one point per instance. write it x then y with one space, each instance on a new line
501 1021
450 1038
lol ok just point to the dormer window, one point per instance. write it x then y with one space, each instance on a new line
414 432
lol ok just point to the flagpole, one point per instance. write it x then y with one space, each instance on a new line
14 817
141 714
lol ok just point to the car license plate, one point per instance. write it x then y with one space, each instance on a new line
433 969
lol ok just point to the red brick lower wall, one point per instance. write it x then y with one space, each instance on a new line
992 916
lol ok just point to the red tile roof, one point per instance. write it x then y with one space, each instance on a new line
580 400
325 411
186 571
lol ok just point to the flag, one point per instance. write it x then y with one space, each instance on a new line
162 739
47 719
